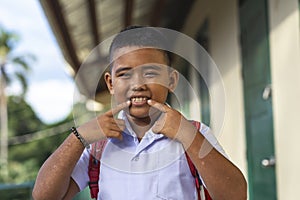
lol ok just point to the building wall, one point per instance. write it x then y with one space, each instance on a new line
224 49
285 71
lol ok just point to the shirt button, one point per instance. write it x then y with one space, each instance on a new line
136 158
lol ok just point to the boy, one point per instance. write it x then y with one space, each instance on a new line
144 157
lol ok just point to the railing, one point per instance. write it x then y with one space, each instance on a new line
16 191
23 192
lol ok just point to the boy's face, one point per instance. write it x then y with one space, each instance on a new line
140 75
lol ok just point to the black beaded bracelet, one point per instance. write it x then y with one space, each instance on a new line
80 138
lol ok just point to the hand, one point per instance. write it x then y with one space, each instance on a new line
104 125
172 123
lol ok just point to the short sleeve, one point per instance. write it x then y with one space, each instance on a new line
80 172
207 133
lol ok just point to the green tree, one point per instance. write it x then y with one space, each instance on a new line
30 141
21 117
19 68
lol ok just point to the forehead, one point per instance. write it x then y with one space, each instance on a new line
136 56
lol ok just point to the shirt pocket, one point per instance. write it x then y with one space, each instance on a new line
175 182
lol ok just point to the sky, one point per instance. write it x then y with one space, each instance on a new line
50 86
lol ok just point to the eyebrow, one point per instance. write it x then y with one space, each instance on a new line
122 69
150 66
144 67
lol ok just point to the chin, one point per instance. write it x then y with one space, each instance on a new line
143 114
139 115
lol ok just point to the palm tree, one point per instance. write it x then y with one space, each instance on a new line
19 68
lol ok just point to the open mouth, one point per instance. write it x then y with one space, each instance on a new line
138 100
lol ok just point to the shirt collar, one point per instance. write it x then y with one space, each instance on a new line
149 134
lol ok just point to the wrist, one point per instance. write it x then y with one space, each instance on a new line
186 132
80 138
91 131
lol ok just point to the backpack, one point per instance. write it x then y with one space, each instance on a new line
94 169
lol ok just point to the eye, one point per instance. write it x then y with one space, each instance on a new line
124 74
151 74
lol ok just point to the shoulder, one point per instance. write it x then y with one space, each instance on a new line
210 137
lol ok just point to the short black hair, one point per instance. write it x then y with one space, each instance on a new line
140 36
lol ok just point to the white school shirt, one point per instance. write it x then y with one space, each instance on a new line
153 169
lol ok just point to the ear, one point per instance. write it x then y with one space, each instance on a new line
108 81
173 80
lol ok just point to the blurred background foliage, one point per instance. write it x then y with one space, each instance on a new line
26 154
25 140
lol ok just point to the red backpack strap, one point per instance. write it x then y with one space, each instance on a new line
94 166
201 190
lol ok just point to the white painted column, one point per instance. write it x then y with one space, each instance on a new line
285 71
225 50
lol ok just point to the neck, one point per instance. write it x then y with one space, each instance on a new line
140 125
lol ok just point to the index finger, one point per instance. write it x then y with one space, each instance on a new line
118 108
159 106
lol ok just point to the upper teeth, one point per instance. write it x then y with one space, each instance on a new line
139 99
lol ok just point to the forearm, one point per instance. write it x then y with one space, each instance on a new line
222 179
54 176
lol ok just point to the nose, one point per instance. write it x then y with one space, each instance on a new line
138 82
